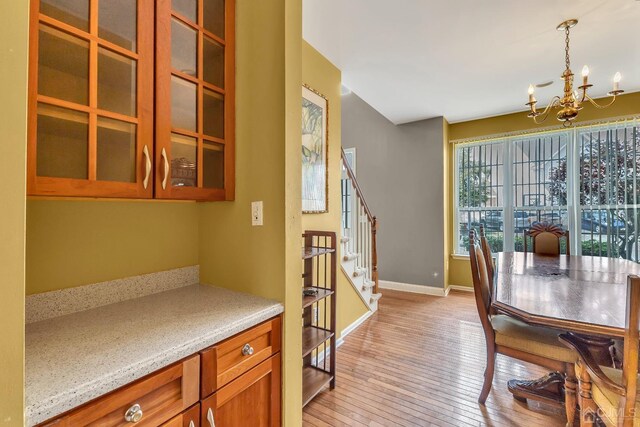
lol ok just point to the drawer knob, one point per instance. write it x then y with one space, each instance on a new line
247 350
133 414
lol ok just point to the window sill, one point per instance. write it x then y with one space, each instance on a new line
459 257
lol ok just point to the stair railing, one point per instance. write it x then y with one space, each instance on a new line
359 224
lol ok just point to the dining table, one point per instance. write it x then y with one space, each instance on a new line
581 295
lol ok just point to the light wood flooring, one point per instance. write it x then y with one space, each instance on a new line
419 361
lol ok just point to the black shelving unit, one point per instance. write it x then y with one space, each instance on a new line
318 313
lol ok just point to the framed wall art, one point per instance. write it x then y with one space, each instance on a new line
315 120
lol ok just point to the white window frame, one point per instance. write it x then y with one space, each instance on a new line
574 209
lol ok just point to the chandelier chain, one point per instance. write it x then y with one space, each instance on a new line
566 49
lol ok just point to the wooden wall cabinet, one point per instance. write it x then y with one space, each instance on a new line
132 99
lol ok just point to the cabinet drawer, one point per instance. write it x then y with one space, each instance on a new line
253 399
160 396
189 418
228 360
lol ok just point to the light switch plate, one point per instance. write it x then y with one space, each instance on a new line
256 213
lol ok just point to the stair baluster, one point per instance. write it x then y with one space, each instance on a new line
361 227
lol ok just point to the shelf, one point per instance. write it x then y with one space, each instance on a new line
313 251
322 293
312 337
313 381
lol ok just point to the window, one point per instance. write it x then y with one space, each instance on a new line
585 179
480 182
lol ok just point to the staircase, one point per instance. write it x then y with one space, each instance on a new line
359 257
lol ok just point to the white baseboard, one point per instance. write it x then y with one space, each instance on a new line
459 288
352 327
408 287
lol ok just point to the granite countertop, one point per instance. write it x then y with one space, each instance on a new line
75 358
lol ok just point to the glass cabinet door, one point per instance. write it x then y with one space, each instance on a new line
91 98
195 99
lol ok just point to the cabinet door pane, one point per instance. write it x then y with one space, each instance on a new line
213 165
116 151
184 43
183 104
184 155
63 66
186 8
117 22
213 114
213 62
214 17
116 82
72 12
62 142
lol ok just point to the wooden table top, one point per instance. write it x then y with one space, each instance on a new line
582 294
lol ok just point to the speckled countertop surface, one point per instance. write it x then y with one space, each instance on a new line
75 358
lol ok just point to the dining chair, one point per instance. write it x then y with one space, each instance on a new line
611 393
488 255
545 238
510 337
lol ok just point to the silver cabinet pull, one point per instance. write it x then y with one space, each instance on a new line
133 414
212 423
247 350
147 166
191 424
166 169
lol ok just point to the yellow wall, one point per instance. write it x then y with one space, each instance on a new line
13 110
626 105
72 243
324 77
264 260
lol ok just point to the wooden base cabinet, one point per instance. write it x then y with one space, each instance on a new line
189 418
149 401
253 399
241 386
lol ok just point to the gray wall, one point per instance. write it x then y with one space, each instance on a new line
400 170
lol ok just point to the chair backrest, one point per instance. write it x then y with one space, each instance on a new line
481 284
488 256
630 361
545 238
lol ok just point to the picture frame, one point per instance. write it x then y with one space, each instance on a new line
315 151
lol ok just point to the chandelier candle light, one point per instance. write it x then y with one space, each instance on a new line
571 103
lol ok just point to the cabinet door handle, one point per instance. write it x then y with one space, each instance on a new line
166 169
191 424
247 350
133 414
147 166
212 423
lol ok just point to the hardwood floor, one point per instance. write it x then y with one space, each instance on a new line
419 361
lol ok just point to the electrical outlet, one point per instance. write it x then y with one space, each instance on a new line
256 213
314 315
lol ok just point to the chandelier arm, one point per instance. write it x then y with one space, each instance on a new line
545 113
553 103
539 122
595 104
584 94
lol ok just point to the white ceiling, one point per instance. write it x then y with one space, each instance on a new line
466 59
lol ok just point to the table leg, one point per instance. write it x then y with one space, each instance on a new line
550 388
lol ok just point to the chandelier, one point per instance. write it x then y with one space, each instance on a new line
571 103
